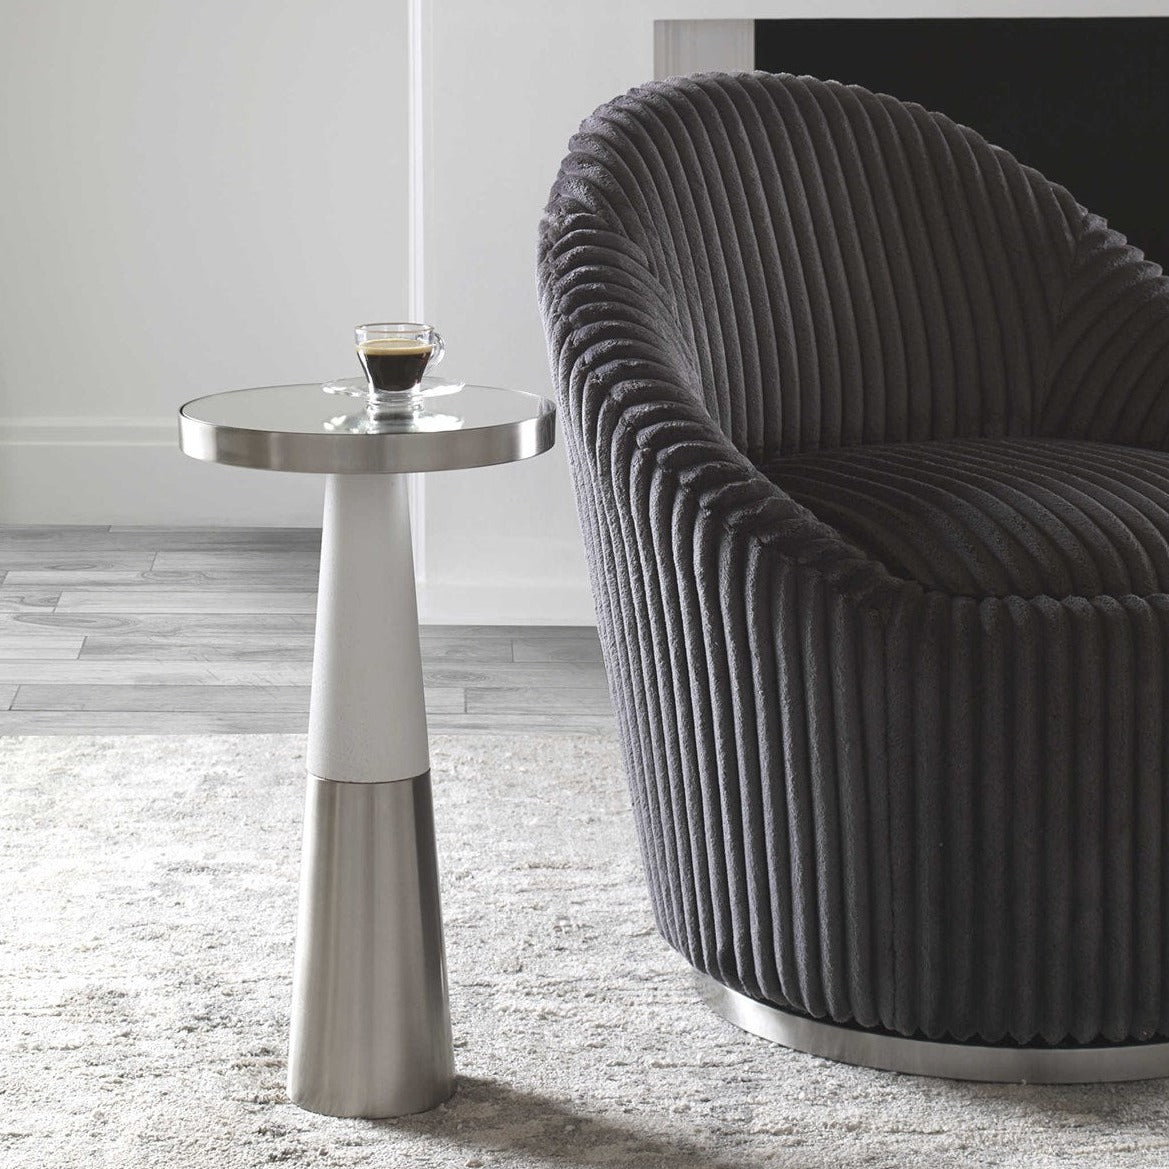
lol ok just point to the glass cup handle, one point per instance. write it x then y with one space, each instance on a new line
439 349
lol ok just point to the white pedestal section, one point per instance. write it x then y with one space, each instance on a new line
370 1019
367 722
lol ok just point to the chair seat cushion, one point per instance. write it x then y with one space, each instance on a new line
996 517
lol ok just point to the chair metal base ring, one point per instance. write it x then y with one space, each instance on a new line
926 1057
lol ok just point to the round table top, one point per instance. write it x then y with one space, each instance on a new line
303 428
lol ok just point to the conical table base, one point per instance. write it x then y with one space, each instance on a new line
370 1033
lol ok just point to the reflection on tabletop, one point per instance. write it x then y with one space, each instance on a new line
402 412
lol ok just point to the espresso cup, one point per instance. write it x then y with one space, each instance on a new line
395 355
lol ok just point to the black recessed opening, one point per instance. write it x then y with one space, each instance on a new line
1083 100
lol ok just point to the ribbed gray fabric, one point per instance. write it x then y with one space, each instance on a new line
996 517
889 768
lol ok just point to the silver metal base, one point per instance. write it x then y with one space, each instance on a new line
371 1033
924 1057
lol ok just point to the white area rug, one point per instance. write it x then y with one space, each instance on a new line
147 900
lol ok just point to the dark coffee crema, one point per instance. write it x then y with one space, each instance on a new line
394 364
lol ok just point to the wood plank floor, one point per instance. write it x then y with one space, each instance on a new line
168 631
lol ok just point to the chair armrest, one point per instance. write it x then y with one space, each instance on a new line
632 407
1108 374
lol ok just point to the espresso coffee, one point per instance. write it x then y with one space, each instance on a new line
394 364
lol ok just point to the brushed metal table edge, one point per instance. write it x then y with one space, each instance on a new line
927 1057
367 454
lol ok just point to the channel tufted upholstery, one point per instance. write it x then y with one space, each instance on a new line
868 427
996 517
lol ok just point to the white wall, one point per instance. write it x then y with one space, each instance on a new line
508 83
196 197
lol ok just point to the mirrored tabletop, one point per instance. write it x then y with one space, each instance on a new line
305 428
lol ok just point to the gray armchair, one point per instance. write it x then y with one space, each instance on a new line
868 427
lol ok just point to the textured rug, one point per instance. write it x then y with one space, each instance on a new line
147 899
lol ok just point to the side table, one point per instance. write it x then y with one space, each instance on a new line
370 1025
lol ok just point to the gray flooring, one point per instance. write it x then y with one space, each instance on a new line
167 631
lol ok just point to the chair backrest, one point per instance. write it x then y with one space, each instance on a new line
843 267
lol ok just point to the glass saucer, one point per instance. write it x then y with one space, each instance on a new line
393 413
357 387
412 422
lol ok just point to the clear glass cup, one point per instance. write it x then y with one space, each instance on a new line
395 355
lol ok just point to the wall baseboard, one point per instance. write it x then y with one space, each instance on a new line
504 603
131 471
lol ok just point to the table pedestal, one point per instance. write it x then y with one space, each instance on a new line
370 1031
